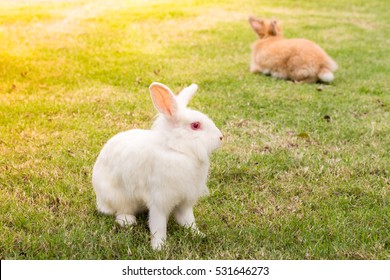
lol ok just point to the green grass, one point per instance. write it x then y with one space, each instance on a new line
304 169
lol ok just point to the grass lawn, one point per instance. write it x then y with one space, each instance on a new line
304 170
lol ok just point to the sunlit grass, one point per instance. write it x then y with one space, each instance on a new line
304 169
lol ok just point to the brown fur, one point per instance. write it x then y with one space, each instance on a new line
299 60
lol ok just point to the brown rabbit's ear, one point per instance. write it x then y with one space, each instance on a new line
257 25
274 28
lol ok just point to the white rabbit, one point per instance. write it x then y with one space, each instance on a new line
163 170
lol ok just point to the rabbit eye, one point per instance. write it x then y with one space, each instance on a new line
195 125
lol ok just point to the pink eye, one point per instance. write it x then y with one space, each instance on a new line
195 125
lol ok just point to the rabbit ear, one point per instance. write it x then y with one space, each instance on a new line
256 24
274 28
186 94
163 99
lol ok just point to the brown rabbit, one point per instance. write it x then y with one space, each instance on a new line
299 60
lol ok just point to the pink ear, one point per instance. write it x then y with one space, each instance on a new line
163 99
256 24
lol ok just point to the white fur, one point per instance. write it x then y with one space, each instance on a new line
163 170
275 74
326 77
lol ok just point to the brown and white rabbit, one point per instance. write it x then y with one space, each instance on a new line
299 60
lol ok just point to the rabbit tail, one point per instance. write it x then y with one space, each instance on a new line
326 71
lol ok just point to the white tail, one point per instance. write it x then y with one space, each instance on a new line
326 77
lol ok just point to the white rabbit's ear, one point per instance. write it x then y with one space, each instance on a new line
186 94
163 99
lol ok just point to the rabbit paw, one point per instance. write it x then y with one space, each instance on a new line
125 220
157 243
